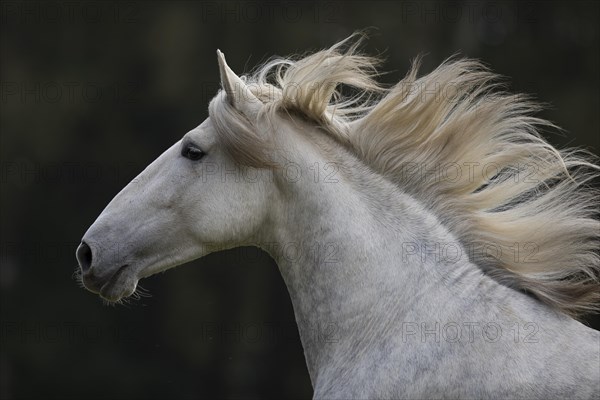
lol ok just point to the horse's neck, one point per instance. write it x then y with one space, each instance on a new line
370 258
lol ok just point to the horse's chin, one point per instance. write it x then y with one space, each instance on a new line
115 292
120 286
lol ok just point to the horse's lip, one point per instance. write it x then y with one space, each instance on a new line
112 281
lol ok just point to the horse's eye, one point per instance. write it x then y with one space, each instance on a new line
192 153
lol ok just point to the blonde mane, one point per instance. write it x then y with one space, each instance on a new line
468 151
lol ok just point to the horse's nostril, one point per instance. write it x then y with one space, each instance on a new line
84 256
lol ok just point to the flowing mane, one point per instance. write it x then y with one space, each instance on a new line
467 150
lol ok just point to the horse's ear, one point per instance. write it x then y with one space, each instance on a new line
237 92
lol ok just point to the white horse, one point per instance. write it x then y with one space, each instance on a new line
433 244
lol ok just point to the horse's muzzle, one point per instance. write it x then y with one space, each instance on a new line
94 276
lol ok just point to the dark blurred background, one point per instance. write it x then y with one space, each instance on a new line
92 92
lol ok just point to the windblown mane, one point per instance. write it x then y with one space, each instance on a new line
467 150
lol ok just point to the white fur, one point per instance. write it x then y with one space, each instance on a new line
317 183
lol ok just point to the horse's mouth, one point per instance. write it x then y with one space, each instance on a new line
120 284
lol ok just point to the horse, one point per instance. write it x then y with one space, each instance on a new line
433 243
